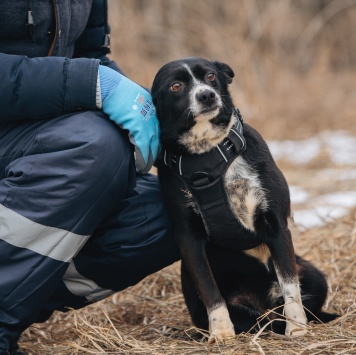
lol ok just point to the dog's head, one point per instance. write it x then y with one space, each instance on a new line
193 104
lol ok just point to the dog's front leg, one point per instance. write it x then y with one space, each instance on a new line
195 259
282 252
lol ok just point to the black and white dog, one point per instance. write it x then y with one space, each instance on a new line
229 204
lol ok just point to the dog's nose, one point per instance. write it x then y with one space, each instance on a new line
206 97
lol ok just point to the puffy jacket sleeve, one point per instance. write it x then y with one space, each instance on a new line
45 87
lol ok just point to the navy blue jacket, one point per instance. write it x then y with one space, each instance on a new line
50 68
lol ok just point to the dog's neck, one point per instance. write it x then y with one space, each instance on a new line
206 135
214 161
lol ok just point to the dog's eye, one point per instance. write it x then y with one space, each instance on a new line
176 86
211 76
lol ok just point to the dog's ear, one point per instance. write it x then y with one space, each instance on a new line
224 68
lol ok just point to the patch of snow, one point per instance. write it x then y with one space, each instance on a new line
299 152
325 209
317 216
340 146
345 199
298 194
347 175
337 174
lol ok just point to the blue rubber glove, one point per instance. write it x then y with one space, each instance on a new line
130 106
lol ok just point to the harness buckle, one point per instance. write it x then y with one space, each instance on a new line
200 178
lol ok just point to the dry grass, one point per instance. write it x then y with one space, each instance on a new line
295 76
151 317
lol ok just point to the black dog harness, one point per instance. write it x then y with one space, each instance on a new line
202 175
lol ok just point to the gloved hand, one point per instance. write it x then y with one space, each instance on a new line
130 106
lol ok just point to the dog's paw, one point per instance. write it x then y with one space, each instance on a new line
220 335
296 320
220 325
295 329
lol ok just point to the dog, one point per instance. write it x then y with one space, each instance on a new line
229 205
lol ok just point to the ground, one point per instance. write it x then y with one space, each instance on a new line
151 317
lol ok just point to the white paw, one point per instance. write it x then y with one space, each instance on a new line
296 319
295 330
220 325
220 335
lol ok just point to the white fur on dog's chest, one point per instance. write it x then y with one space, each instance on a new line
203 136
244 192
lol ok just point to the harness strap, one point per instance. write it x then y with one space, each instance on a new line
202 169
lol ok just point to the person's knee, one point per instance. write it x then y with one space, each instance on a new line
84 164
91 144
105 146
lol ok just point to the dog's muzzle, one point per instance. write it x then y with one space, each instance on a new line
205 101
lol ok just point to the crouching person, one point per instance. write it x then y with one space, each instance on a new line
80 217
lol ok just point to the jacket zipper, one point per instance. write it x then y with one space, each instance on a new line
50 52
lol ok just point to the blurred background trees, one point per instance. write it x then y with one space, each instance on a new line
294 61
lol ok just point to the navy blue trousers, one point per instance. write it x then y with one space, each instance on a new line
76 222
